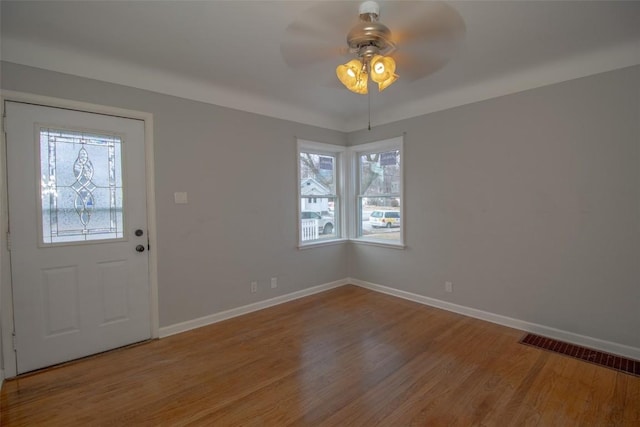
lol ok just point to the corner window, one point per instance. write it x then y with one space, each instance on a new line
319 192
378 192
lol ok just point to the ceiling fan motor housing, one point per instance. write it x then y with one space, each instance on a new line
369 37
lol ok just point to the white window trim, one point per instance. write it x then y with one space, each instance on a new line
339 152
353 216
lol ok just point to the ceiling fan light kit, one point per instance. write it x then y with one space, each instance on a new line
383 71
370 40
352 76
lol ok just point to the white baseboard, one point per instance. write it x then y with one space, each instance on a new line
570 337
239 311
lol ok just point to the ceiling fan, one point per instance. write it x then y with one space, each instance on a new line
420 39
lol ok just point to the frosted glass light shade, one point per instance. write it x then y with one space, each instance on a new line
352 77
383 71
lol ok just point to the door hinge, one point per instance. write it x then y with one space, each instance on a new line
4 123
13 339
9 241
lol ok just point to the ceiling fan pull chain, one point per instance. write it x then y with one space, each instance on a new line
369 102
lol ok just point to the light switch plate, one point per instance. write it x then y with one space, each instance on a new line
180 197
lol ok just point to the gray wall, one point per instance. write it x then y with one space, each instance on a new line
528 203
239 170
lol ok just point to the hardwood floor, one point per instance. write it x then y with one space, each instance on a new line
346 357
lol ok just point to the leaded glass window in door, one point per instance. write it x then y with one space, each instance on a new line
82 194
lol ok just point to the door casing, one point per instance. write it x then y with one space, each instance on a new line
6 295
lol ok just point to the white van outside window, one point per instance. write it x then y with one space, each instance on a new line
387 219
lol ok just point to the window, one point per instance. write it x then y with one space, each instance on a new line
319 192
378 192
81 190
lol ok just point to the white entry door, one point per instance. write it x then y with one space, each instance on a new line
78 233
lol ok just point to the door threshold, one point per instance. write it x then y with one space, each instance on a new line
81 359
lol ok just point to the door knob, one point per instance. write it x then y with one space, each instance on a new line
140 248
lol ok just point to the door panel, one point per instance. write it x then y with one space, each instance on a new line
77 193
113 282
60 300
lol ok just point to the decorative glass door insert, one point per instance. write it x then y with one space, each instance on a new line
81 186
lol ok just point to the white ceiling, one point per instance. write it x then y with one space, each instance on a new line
228 52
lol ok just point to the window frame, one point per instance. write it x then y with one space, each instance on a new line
96 134
355 212
337 151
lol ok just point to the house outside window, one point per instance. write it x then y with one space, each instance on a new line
319 193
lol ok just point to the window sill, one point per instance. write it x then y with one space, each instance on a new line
331 242
379 243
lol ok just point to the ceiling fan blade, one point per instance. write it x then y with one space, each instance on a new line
301 30
298 55
412 67
333 17
415 22
427 35
319 34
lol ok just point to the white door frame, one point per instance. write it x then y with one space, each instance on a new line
6 295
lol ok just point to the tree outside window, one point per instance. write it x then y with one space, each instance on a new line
379 189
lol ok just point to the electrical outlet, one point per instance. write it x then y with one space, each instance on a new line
448 287
274 282
254 287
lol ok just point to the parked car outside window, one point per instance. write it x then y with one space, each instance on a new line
325 222
388 219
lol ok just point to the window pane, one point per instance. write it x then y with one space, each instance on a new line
81 186
380 173
318 220
380 218
317 174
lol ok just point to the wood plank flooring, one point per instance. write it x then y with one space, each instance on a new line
346 357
